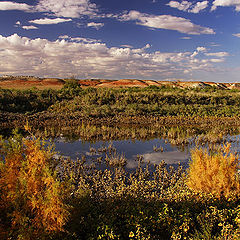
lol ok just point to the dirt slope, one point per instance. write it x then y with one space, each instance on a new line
26 82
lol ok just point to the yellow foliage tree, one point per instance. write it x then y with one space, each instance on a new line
214 173
31 200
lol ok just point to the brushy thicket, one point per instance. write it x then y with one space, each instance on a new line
104 201
104 102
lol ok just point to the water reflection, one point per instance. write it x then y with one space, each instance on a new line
172 155
171 144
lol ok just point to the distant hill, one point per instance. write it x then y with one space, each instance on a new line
26 82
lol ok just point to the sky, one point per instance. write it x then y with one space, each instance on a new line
113 39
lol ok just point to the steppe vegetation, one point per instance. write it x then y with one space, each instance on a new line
105 102
151 106
42 197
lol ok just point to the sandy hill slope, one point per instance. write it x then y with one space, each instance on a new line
26 82
124 83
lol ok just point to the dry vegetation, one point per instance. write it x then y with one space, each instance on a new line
159 106
44 199
31 199
214 173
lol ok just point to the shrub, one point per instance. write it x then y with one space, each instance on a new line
215 173
31 202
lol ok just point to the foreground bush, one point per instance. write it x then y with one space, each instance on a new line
31 202
215 173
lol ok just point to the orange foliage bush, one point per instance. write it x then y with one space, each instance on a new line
31 200
214 173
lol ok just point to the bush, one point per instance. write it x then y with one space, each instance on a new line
31 202
215 173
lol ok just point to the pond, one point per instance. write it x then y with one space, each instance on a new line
152 151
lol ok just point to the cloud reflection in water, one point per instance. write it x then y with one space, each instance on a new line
170 157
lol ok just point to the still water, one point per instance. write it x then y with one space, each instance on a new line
151 151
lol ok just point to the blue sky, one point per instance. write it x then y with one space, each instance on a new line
143 39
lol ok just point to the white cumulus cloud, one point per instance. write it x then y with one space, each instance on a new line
89 58
47 21
165 22
187 6
201 49
226 3
197 51
6 5
183 6
67 8
236 35
199 6
217 60
218 54
29 27
79 39
185 38
95 25
58 8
